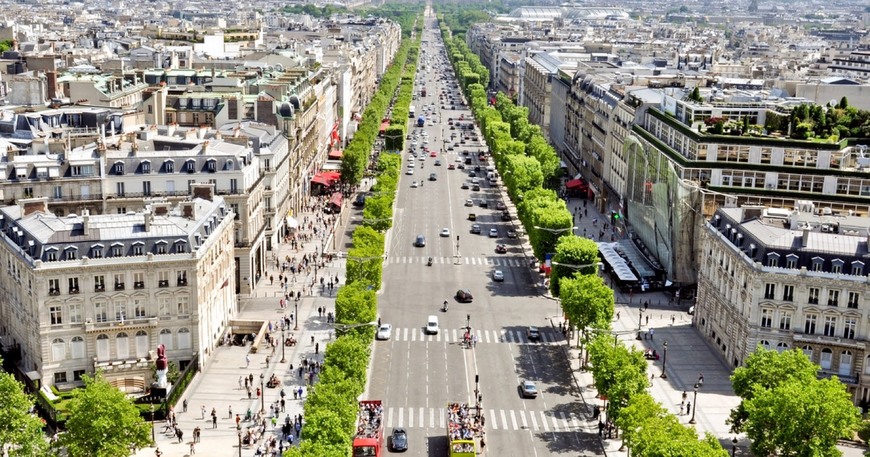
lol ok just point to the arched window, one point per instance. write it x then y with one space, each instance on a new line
825 360
103 347
184 339
780 347
58 350
166 338
78 347
765 344
867 365
845 363
123 344
141 344
808 351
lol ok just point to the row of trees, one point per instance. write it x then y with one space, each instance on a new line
530 170
331 408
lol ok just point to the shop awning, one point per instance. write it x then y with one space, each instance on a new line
335 200
616 262
576 184
326 178
292 222
320 179
336 154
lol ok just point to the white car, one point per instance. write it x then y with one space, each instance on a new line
385 332
493 233
413 184
498 276
445 231
469 202
410 171
432 325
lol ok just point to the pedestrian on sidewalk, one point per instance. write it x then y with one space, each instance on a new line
184 406
202 410
230 409
192 448
247 360
700 379
240 383
688 406
652 332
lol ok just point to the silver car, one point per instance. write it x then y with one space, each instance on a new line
528 389
385 332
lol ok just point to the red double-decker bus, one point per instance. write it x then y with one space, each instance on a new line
369 438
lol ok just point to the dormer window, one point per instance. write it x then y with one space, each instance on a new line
858 268
161 247
97 251
773 259
146 166
70 253
117 250
118 168
791 261
169 166
51 254
212 165
190 166
180 246
817 264
230 164
138 247
837 266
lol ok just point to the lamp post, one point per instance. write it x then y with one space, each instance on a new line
733 446
284 359
694 404
639 323
665 361
263 393
240 443
296 316
153 439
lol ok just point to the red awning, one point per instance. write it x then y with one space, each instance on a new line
336 154
326 178
335 200
576 184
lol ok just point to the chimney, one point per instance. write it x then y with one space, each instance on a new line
51 82
170 129
188 210
10 153
805 238
159 209
148 218
86 221
204 191
32 205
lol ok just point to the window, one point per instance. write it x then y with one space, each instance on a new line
845 363
234 186
146 165
138 308
766 318
141 344
120 189
78 347
773 259
212 166
60 377
787 293
73 285
137 248
146 188
166 338
791 261
825 360
51 256
119 281
163 278
769 291
849 326
169 166
235 208
58 192
118 168
785 320
181 275
833 297
122 210
810 324
102 347
813 298
54 287
190 166
163 307
836 266
854 298
858 268
122 345
71 254
78 375
808 351
183 305
161 247
97 251
138 280
99 283
55 313
184 339
830 325
74 313
101 312
817 264
120 310
765 344
780 347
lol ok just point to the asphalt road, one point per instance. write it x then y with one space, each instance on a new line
417 375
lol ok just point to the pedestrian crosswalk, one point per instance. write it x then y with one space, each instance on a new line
483 336
491 261
496 419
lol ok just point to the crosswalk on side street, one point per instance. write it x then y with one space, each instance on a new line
491 261
415 334
496 419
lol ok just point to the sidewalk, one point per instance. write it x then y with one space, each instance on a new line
219 386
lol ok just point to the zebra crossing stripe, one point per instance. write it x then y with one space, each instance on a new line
503 419
410 417
401 417
432 417
544 422
523 419
555 423
389 417
494 421
422 415
513 419
534 421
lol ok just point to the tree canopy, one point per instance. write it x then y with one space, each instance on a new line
20 430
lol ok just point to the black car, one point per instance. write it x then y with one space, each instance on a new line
360 200
399 440
505 215
464 296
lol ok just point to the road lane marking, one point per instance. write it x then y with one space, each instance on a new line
494 419
534 421
401 417
390 418
513 419
523 419
544 422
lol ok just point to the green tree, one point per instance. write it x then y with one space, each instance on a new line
103 422
356 303
844 103
572 251
20 431
378 212
766 369
619 372
394 138
800 419
587 302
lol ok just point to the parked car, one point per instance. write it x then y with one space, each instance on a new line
385 332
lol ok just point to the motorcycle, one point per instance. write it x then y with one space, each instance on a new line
429 263
444 308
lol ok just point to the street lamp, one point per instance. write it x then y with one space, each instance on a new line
639 323
556 231
694 404
346 327
153 439
665 361
284 359
296 316
240 443
262 393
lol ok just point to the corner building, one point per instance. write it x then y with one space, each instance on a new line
99 292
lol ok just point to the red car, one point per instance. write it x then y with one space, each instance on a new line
433 154
451 167
501 249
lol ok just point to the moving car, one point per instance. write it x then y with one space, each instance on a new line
420 242
512 234
498 276
410 171
475 228
432 325
399 440
500 249
469 202
533 334
505 215
500 206
451 167
465 185
445 231
414 184
528 389
493 233
438 163
360 200
385 332
433 177
464 296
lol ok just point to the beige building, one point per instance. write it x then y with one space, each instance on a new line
87 292
787 279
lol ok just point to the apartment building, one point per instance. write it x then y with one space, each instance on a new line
787 279
88 292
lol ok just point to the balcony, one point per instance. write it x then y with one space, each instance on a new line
53 292
119 286
146 322
139 285
182 281
73 290
163 283
844 378
100 288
